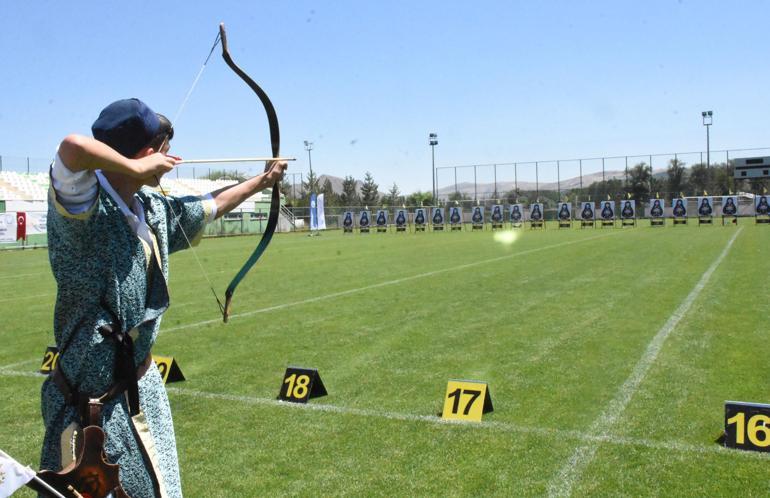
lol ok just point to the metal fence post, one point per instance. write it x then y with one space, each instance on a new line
581 174
516 179
495 168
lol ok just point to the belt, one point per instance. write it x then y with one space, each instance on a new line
73 397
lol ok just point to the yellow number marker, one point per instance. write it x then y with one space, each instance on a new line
466 400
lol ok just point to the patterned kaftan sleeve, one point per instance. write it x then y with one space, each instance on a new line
194 212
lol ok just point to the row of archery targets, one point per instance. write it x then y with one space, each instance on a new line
588 213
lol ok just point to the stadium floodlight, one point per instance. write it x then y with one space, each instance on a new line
708 117
433 142
308 148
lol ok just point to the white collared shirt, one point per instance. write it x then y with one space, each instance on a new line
77 192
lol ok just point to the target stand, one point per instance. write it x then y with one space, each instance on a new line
628 222
608 223
706 220
679 220
729 220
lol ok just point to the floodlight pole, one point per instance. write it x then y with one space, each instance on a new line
308 148
433 142
707 120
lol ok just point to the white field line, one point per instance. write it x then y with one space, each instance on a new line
435 420
384 284
20 275
17 364
20 298
562 483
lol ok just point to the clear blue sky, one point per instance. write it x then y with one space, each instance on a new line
367 81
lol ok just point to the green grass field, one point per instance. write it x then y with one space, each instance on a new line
608 354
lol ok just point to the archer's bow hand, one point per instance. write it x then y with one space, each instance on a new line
274 171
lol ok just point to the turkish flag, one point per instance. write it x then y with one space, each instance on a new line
21 225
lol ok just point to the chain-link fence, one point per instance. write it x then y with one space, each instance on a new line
612 176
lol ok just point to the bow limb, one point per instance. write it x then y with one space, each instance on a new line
275 201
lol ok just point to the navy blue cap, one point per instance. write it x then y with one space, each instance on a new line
127 126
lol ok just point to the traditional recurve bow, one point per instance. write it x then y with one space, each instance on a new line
275 201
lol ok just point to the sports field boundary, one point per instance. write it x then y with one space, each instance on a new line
562 483
545 432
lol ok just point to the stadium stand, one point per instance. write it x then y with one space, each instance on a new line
34 187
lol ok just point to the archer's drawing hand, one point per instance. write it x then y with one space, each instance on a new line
154 165
274 171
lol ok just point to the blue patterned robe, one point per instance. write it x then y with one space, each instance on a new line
104 270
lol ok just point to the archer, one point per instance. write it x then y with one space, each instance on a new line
109 239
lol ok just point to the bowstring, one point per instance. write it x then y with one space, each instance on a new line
189 245
195 81
165 195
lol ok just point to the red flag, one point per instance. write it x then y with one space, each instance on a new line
21 225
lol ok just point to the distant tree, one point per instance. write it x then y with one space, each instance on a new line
458 196
599 190
286 190
349 196
419 199
512 196
394 196
639 181
369 193
677 177
723 178
702 178
311 184
225 175
330 197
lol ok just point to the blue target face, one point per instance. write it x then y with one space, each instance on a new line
679 208
587 211
656 209
419 216
536 211
628 209
608 210
363 220
438 216
761 206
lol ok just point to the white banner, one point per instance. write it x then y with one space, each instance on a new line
7 227
13 475
313 212
320 212
36 222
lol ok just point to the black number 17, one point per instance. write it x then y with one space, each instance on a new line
474 394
